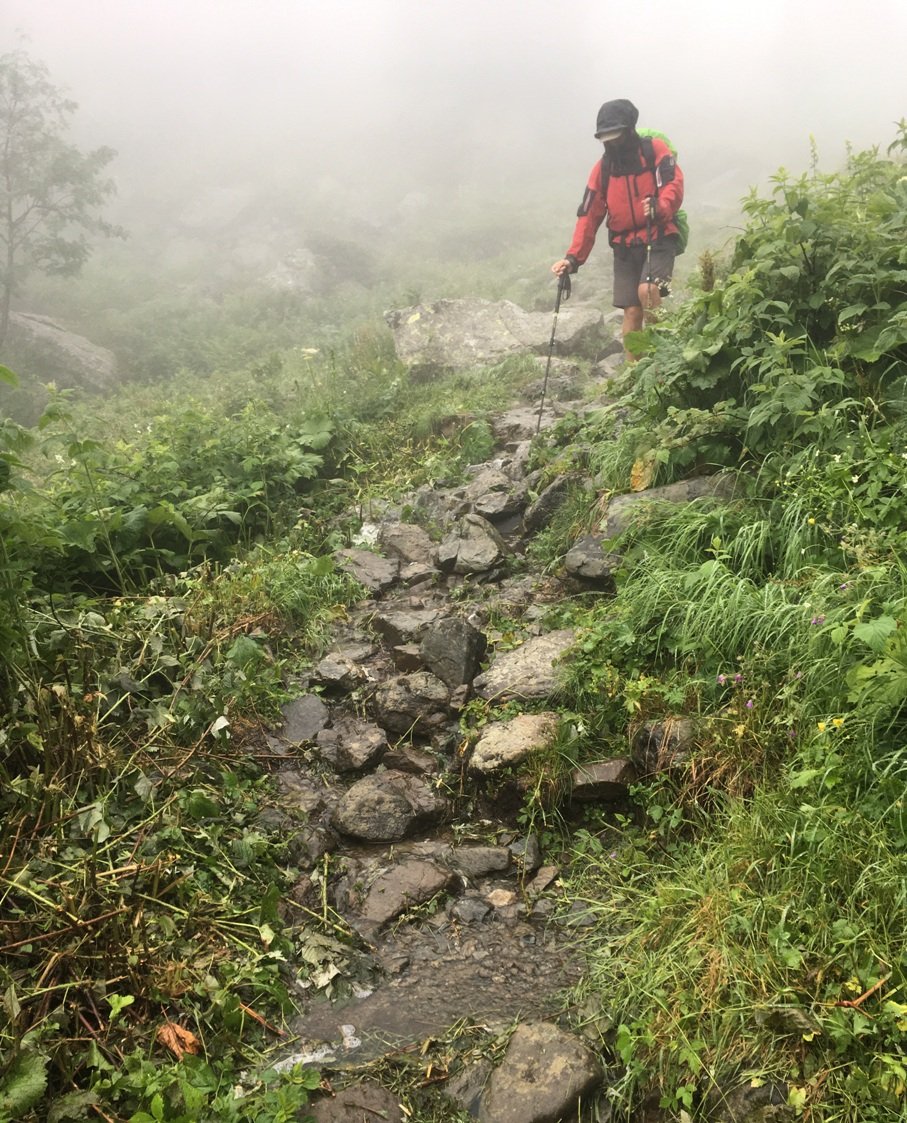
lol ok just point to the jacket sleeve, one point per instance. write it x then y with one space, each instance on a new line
589 217
669 178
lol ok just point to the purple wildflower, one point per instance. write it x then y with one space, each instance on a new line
818 621
750 704
721 680
738 677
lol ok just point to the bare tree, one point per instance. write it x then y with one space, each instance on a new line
50 192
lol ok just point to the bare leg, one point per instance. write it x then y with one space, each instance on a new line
639 314
633 320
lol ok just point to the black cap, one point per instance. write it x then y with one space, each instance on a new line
614 117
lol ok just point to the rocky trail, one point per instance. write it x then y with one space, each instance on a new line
443 913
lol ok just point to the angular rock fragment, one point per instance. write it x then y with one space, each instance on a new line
604 780
452 649
507 743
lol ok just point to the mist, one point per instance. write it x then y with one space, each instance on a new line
381 149
407 96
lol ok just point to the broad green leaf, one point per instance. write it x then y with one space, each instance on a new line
200 805
875 632
7 376
23 1085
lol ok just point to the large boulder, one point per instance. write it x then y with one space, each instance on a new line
43 348
458 334
623 510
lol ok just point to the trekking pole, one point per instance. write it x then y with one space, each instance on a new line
563 293
648 260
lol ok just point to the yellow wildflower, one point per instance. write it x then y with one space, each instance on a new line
822 726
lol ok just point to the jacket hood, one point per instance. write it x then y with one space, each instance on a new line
613 115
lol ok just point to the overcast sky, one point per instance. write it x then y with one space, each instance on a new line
469 89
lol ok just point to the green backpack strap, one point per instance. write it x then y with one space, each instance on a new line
680 219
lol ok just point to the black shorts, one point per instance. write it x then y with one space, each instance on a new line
632 267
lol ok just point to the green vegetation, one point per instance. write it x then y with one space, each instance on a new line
166 567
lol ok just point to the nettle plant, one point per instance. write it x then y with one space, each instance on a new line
812 312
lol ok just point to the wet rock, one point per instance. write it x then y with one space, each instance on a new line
479 861
588 559
371 570
386 807
527 853
470 910
304 718
473 546
343 668
493 494
610 365
400 626
530 671
543 510
544 1073
466 1088
661 745
624 509
452 649
352 744
416 702
309 844
302 793
365 1102
407 658
414 574
507 743
604 780
405 885
543 880
408 542
407 758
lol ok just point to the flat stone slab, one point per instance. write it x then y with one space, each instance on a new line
530 671
304 718
371 570
544 1073
405 885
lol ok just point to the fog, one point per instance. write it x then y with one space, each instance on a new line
409 95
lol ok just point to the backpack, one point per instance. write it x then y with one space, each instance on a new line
648 151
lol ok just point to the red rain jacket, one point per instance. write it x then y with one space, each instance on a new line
624 204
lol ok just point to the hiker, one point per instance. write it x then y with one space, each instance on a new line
638 187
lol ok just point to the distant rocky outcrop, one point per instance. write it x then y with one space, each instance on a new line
40 347
457 334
